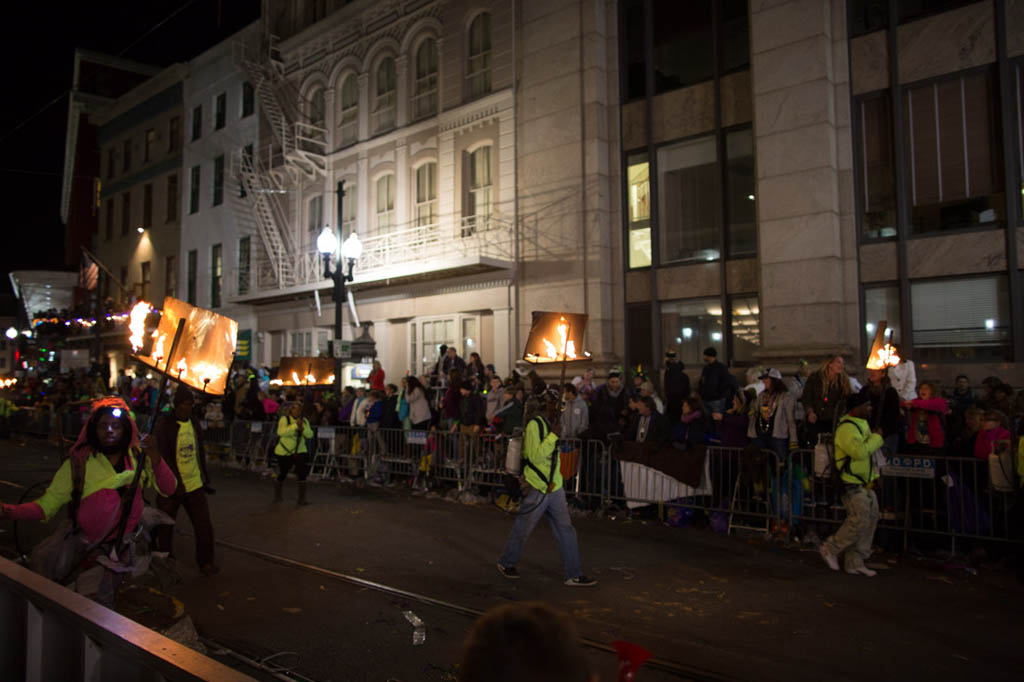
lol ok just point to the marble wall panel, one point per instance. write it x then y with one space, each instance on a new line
803 61
879 262
796 150
819 280
742 276
689 281
795 107
684 112
789 22
799 238
869 62
803 330
737 101
796 194
947 42
638 286
956 254
634 125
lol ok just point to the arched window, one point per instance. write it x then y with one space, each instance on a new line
385 204
384 87
348 110
426 194
314 218
478 69
317 110
424 101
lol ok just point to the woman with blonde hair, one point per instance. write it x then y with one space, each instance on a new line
824 397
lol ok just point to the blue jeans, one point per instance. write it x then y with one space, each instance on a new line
554 507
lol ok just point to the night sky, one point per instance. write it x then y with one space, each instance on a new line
41 40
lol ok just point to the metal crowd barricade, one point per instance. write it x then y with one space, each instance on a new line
919 495
251 444
340 453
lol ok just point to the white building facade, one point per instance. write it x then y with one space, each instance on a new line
474 199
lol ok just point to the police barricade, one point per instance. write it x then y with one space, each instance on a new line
216 438
737 488
33 421
340 453
393 457
486 466
591 483
448 456
951 498
251 442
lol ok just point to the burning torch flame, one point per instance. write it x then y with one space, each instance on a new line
137 324
207 372
568 344
885 356
330 379
310 378
182 368
295 378
158 347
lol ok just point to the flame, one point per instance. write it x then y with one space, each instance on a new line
552 352
137 324
885 356
295 378
158 347
310 378
276 382
182 368
208 372
330 379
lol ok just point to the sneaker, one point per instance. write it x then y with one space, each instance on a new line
829 557
863 570
508 571
580 581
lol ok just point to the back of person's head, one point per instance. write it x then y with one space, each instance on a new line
523 641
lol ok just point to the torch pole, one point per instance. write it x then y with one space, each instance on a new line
565 362
129 498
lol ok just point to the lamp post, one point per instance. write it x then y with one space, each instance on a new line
351 249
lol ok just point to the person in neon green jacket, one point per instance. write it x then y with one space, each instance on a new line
292 433
855 444
544 495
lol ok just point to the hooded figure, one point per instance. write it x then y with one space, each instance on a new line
97 473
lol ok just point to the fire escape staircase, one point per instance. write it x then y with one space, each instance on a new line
258 194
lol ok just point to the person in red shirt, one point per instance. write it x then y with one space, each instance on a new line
926 429
376 377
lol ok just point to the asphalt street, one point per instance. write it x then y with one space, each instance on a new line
721 607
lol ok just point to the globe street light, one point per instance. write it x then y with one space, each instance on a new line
351 250
12 333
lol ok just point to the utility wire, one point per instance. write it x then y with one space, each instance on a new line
64 94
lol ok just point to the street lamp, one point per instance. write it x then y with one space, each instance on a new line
351 249
12 333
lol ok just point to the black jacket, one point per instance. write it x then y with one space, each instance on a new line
658 430
389 417
715 382
473 410
606 412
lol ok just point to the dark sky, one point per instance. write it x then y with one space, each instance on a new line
41 38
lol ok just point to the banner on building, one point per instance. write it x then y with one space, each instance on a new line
243 348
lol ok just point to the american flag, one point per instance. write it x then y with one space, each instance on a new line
88 273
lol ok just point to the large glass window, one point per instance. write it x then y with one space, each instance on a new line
220 111
478 195
683 44
174 134
433 333
317 108
735 35
688 201
172 197
192 274
882 304
740 202
197 122
478 69
216 275
170 276
745 328
193 199
426 194
384 106
314 218
638 331
690 326
145 279
248 99
634 51
961 320
244 265
424 101
866 16
150 145
954 165
348 110
638 196
470 338
877 182
348 210
385 218
218 180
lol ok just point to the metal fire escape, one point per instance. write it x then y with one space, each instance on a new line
297 150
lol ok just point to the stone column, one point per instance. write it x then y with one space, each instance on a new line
504 355
362 195
402 196
401 91
804 299
364 105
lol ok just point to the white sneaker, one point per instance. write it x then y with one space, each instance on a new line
829 557
863 570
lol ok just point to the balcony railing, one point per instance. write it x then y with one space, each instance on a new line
409 251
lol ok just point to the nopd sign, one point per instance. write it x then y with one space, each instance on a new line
902 466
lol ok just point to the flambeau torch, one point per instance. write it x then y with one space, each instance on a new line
202 348
883 356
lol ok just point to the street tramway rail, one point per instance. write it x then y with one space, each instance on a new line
680 670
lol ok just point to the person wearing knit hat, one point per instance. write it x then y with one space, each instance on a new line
99 468
854 446
179 436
